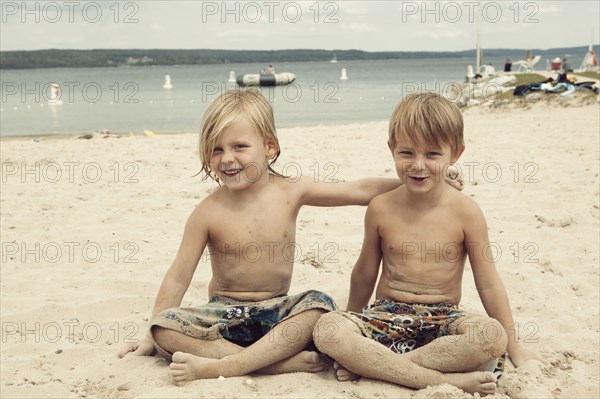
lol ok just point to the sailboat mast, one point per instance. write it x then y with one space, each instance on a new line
478 50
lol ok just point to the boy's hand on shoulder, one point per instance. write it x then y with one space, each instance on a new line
143 348
454 177
519 355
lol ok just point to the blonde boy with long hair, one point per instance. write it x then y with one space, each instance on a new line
246 325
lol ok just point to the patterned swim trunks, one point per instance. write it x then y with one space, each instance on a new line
404 327
240 322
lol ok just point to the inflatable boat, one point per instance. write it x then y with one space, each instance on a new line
265 79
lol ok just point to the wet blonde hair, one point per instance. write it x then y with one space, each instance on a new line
226 110
427 118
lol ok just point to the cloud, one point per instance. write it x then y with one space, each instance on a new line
358 28
440 32
352 10
242 34
327 24
546 8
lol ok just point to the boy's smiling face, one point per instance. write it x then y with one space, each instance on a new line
240 156
421 166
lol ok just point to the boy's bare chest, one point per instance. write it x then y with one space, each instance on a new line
242 229
425 238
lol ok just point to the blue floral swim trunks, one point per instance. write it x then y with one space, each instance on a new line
240 322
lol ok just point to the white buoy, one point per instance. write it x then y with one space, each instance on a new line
167 84
55 95
231 77
344 74
470 73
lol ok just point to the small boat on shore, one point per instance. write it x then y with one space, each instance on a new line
265 79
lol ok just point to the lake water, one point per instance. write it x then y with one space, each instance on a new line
133 100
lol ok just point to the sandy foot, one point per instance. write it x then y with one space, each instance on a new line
483 382
187 367
305 361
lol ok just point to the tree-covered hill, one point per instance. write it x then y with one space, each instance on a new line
141 57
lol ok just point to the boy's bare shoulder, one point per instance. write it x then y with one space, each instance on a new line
291 187
463 203
384 200
208 204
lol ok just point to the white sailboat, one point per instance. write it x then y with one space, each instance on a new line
334 59
479 80
472 73
590 62
481 72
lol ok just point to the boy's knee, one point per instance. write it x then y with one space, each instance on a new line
493 338
486 332
496 338
327 331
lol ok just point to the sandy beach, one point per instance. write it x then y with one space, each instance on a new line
89 227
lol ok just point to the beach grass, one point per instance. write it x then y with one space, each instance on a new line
591 75
527 78
522 79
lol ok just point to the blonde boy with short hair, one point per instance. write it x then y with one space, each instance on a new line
422 232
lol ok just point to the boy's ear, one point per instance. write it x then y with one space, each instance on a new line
391 146
457 153
271 148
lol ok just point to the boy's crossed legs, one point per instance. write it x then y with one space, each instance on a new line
443 360
282 350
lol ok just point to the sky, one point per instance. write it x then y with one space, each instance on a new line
393 25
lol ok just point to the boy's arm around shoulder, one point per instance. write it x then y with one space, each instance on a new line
366 269
356 192
488 282
178 277
339 193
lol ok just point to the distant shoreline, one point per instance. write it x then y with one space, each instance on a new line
54 58
508 106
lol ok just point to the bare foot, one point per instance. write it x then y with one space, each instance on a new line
483 382
342 374
187 367
305 361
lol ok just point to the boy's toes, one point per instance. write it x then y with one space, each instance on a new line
316 362
489 388
488 377
342 375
